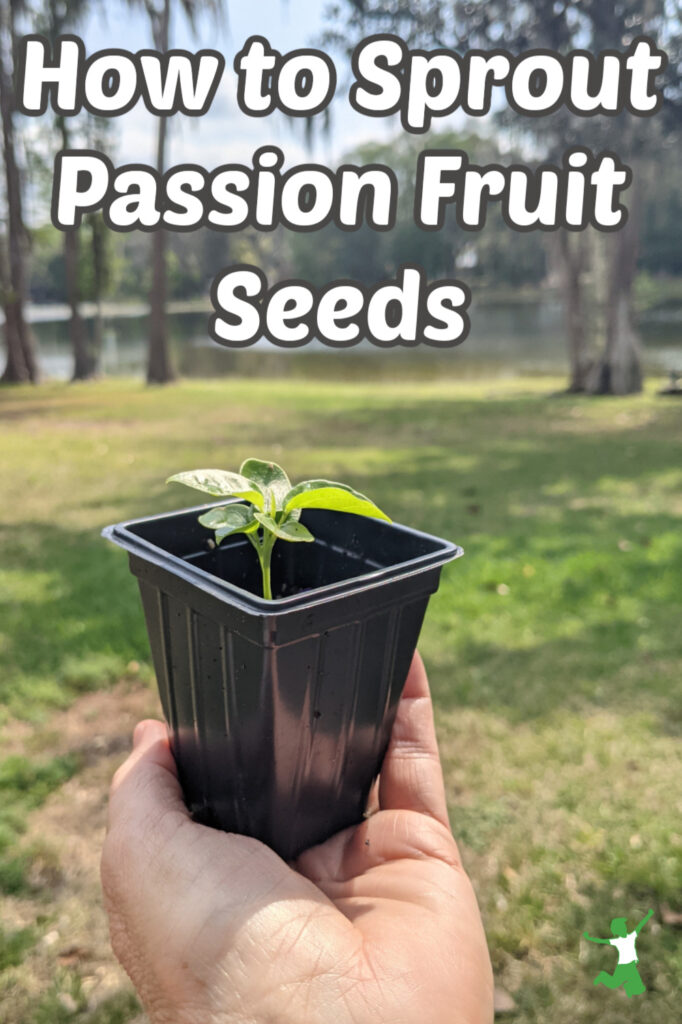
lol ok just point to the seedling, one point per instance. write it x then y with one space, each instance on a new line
270 508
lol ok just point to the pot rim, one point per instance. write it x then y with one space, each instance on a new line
121 535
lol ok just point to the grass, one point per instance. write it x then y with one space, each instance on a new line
554 648
13 947
24 786
65 1002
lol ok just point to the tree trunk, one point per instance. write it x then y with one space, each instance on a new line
16 371
99 273
619 371
21 362
159 366
571 252
83 362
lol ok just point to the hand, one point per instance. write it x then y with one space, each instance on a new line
379 924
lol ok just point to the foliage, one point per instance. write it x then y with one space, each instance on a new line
465 25
574 24
661 251
494 256
273 507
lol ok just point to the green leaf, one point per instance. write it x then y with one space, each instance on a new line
224 532
221 484
270 478
232 519
335 497
295 515
289 530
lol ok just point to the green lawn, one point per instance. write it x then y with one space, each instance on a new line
554 647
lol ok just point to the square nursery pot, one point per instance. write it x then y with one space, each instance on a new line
280 711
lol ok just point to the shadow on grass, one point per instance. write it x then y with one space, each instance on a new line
70 615
580 535
577 675
593 625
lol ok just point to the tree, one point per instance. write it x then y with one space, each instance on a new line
661 251
159 364
494 255
21 362
98 130
571 252
585 24
58 17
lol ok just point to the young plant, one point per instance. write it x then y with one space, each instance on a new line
270 507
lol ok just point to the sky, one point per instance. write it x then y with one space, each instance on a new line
225 134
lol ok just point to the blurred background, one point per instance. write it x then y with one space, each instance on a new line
587 303
549 444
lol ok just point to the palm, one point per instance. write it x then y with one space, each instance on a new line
395 861
397 879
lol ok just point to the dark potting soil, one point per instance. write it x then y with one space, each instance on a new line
346 547
307 568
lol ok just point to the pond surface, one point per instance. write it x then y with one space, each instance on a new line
506 338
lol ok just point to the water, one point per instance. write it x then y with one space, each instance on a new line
506 338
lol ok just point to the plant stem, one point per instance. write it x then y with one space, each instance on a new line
264 548
266 557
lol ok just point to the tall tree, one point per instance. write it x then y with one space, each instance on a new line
160 368
84 360
21 362
572 24
57 18
98 134
571 251
159 363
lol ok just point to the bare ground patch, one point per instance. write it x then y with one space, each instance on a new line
72 952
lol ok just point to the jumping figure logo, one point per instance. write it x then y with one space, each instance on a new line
626 973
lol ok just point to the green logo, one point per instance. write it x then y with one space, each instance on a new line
626 973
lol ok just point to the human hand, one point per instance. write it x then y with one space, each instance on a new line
378 924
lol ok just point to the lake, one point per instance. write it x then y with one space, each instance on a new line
517 337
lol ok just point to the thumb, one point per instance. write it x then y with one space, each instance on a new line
411 776
146 785
146 732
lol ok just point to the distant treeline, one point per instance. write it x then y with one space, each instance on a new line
496 257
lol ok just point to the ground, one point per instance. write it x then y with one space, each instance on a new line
554 651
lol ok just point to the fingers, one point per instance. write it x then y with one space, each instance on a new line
146 785
181 896
146 811
411 776
154 851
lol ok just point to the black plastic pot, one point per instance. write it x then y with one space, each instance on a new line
280 711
